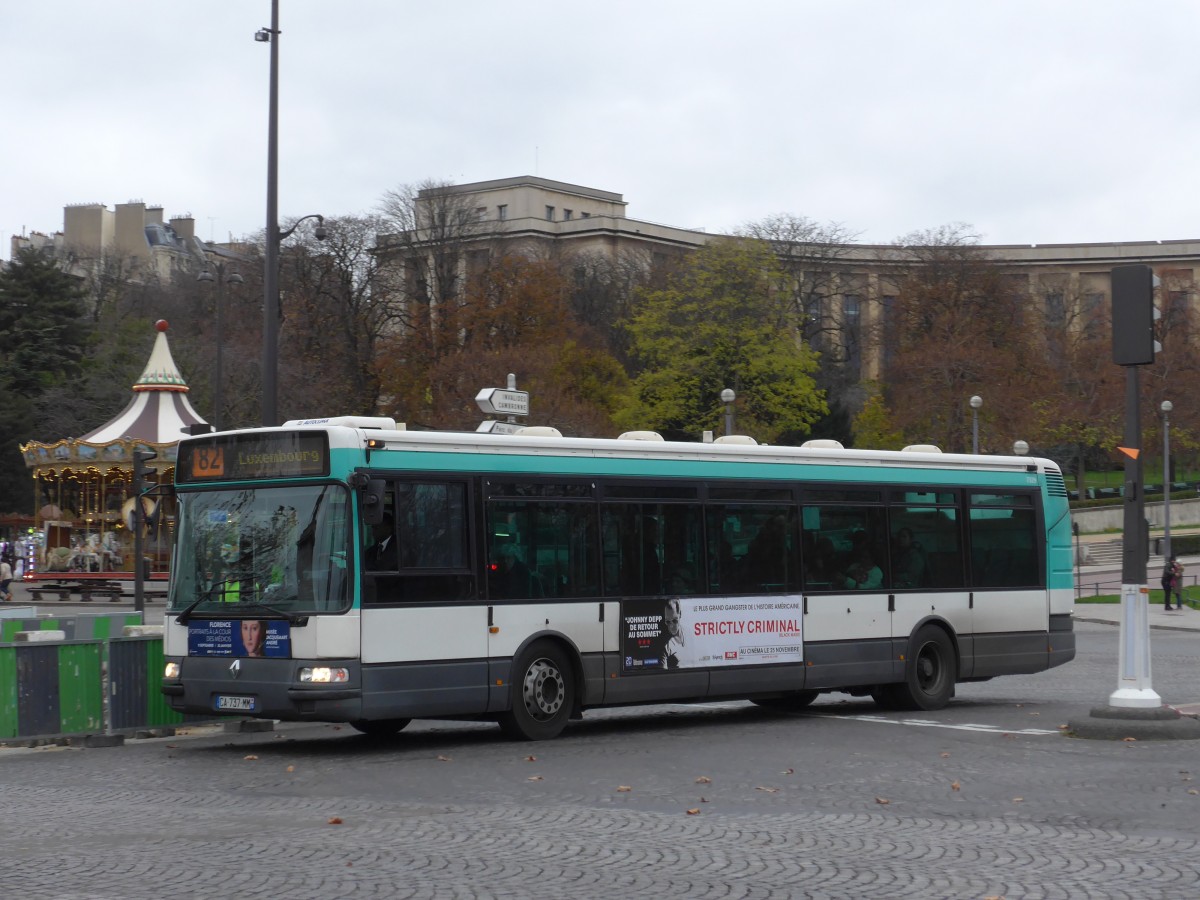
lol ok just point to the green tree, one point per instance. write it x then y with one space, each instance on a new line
873 429
721 323
45 338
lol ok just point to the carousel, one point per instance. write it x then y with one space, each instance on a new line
84 486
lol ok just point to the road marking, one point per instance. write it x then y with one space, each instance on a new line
884 720
929 723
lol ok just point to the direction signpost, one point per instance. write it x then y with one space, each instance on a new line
492 426
503 402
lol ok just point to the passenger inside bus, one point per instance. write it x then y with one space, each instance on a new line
908 560
765 563
862 573
510 578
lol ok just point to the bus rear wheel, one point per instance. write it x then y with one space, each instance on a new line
543 694
929 675
380 728
793 701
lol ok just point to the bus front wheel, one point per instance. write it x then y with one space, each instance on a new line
543 692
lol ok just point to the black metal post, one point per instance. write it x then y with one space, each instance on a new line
270 354
1134 547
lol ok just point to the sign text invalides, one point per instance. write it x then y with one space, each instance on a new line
503 402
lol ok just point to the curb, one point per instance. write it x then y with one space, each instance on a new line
1117 624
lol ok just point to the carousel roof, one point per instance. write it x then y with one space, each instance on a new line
159 409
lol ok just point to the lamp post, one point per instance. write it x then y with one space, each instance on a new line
1166 406
222 279
727 397
976 403
1020 448
270 354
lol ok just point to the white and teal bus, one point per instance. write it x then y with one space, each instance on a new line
348 570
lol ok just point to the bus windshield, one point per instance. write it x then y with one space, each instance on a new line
283 548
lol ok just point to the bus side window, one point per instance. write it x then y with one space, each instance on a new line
542 547
1003 530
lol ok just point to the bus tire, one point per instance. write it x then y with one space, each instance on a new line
380 728
543 693
929 675
793 701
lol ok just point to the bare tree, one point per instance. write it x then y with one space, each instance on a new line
958 327
338 303
429 229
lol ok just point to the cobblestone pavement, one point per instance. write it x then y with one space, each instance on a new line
981 800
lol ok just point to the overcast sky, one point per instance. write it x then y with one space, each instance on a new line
1031 121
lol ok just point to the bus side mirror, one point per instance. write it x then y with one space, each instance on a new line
372 501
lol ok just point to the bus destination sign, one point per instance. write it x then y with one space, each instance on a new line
241 456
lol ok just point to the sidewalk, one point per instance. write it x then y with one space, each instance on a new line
1109 576
1186 619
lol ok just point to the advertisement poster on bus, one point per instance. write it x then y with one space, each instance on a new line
700 632
239 637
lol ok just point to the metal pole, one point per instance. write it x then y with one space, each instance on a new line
270 354
976 402
220 343
1166 409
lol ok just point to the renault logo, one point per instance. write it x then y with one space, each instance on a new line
235 668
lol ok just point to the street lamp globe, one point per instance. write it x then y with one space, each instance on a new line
1166 406
728 396
1020 448
976 402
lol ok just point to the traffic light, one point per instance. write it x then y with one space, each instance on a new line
141 470
1133 315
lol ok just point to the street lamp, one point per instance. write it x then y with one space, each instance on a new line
1166 406
270 355
1020 448
727 397
976 402
222 279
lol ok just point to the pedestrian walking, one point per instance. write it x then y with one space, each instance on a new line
6 578
1172 583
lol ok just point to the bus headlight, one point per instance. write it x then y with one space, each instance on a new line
324 675
171 671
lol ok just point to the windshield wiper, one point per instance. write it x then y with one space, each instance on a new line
218 587
183 617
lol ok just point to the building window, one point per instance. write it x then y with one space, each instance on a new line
549 213
584 215
480 213
852 331
502 211
568 215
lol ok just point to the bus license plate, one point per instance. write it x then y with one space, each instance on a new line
235 704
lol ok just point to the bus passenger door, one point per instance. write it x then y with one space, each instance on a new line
543 579
424 627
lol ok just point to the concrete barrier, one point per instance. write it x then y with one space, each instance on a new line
53 688
39 637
